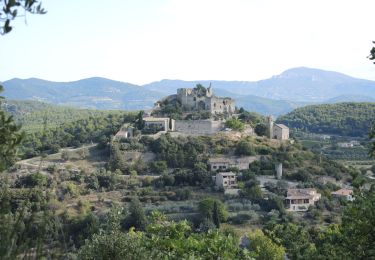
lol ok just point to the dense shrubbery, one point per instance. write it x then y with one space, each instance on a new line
235 124
91 129
349 119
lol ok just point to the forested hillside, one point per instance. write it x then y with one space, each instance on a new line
32 115
49 127
348 119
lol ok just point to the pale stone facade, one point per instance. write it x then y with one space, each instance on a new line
126 131
277 131
224 163
192 100
164 123
343 193
226 180
199 127
301 199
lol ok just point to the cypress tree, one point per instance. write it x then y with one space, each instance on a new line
215 215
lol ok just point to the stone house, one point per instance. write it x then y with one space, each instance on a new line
301 199
163 123
226 180
224 163
126 131
343 193
277 131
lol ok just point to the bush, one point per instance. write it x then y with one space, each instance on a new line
32 180
235 124
245 148
240 218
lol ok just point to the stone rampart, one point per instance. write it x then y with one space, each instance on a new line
198 127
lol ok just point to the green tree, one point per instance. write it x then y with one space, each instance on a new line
216 215
136 217
10 10
358 226
263 248
10 138
372 53
158 167
261 129
245 148
140 123
235 124
372 137
206 209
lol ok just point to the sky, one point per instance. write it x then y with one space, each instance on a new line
141 41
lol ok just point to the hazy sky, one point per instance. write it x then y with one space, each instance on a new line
141 41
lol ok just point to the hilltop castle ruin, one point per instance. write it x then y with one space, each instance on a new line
201 99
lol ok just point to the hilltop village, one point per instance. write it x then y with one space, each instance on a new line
198 112
201 113
195 164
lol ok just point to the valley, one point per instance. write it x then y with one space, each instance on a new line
90 165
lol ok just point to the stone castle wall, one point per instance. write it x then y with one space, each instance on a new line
190 100
198 127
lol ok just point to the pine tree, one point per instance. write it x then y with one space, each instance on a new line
10 138
137 217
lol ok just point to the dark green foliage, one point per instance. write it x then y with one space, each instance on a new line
82 228
139 122
178 152
106 180
372 53
158 167
32 180
90 129
9 10
196 177
136 217
216 215
207 206
358 226
251 118
372 137
170 109
10 138
261 129
348 119
182 194
235 124
245 148
201 90
27 224
163 240
252 190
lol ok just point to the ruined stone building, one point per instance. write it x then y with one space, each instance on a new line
202 99
194 99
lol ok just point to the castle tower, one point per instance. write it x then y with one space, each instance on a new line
270 126
209 91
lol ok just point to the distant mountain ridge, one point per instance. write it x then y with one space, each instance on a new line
297 84
270 96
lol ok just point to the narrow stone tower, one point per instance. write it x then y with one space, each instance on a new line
279 170
270 126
